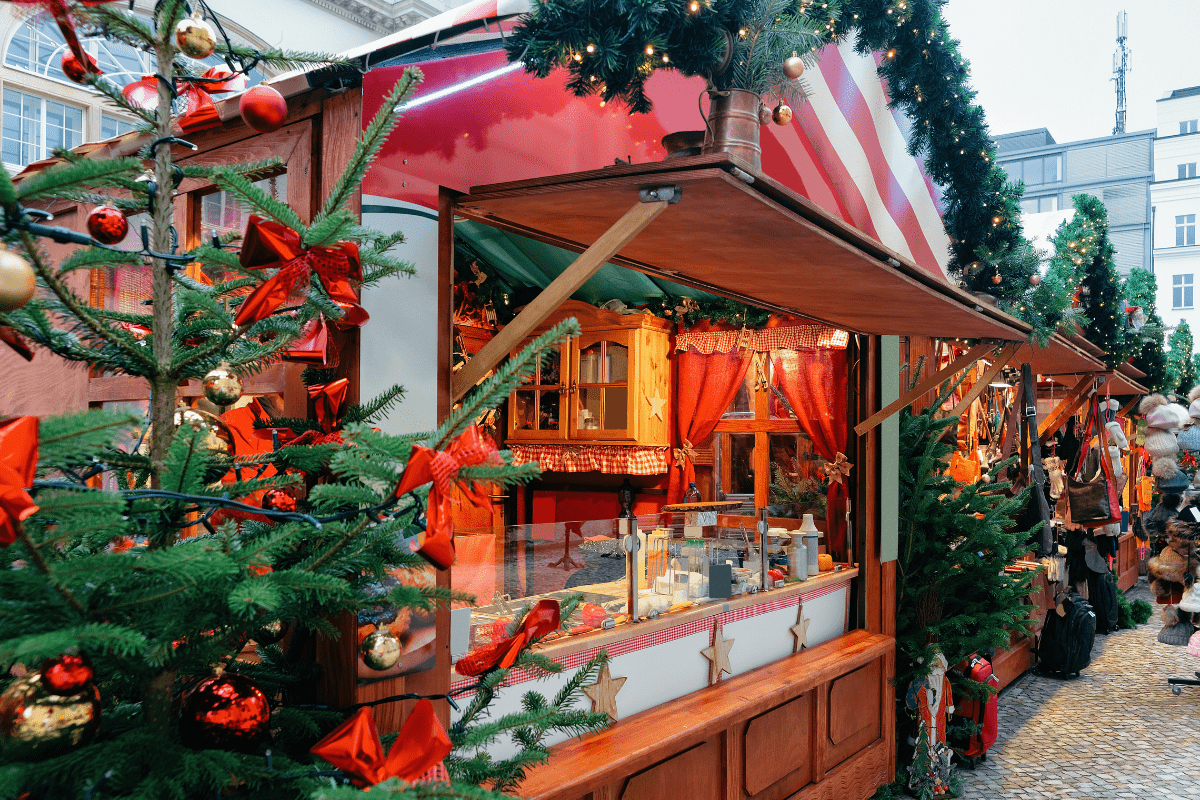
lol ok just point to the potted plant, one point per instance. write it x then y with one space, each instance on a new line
747 50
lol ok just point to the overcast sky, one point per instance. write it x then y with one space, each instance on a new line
1048 63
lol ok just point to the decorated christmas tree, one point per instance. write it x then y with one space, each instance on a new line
1181 371
140 569
955 598
1146 328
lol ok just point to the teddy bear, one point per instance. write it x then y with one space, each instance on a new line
1162 417
1054 471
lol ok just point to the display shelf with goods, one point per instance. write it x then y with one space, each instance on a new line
608 386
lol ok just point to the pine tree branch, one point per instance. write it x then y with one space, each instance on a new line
40 562
77 308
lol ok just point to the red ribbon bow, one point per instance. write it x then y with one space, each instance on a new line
18 462
16 341
355 749
268 244
541 620
426 465
327 403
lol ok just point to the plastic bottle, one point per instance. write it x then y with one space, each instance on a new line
693 494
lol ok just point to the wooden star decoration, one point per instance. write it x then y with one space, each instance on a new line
718 654
657 403
603 693
800 630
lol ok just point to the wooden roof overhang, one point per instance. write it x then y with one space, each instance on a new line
738 233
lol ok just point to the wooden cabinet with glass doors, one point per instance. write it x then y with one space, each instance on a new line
610 385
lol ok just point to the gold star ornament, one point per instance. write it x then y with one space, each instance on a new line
657 403
718 654
603 693
800 630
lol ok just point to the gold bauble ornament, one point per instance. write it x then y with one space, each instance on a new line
380 649
1035 279
782 115
35 723
222 385
219 438
195 38
793 67
17 281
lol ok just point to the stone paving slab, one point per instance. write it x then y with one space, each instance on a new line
1114 732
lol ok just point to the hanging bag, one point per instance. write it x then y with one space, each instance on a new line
1095 502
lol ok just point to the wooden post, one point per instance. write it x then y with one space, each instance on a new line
1064 409
960 363
560 290
988 376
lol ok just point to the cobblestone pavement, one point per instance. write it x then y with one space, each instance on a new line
1116 731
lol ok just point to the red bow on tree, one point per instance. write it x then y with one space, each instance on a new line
18 462
327 402
58 10
441 467
270 245
201 110
355 749
16 341
541 620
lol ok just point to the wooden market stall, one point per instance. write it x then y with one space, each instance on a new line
715 736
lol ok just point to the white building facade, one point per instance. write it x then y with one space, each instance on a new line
1175 205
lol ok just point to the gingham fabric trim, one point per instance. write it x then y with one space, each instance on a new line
798 337
664 635
613 459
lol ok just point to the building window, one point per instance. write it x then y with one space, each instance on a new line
1037 205
38 47
1181 292
114 126
1185 230
35 126
1187 170
1036 171
1188 126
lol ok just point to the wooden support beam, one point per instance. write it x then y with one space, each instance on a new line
1080 392
988 376
559 291
959 364
1125 409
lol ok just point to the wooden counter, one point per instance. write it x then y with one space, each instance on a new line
816 725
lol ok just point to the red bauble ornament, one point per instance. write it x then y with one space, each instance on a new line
67 674
77 71
996 279
263 109
278 500
107 225
225 713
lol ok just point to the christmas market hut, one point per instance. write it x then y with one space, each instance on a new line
718 438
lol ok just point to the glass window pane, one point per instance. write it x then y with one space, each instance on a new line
548 411
1033 172
1029 206
616 408
591 409
738 464
742 405
796 477
524 411
617 363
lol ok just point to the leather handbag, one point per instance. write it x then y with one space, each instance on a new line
1094 502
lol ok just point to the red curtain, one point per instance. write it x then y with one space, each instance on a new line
814 383
705 385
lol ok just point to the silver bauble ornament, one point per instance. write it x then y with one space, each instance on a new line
195 38
793 67
222 385
380 649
